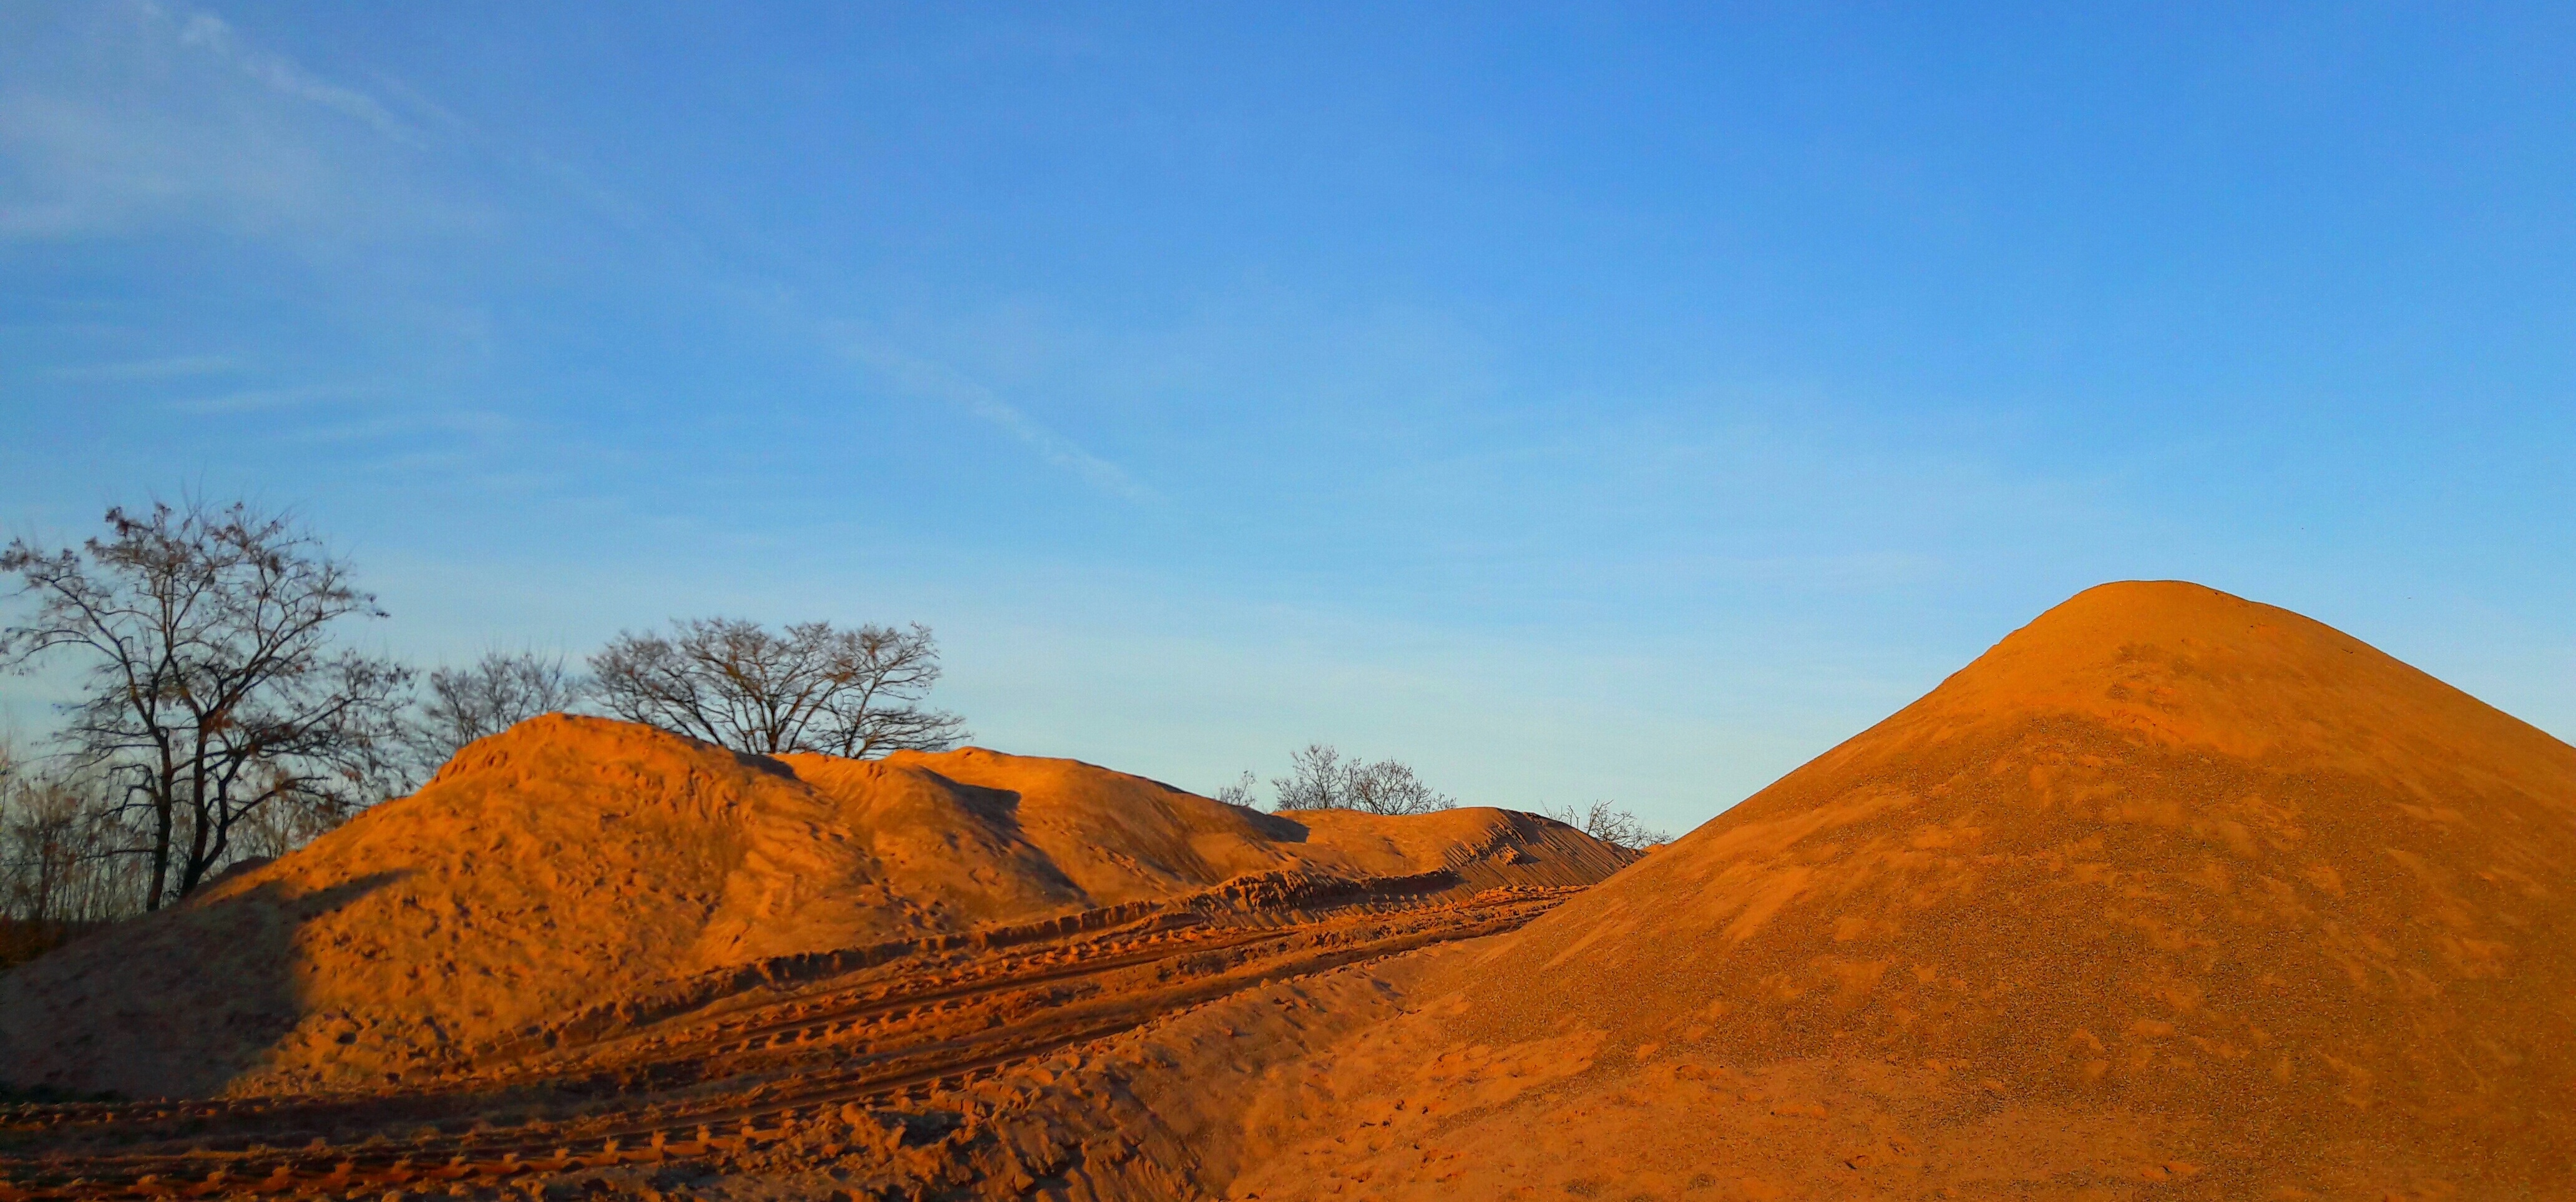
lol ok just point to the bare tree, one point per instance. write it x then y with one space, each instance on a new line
1241 792
214 689
59 846
1317 780
854 693
1320 779
486 697
59 867
45 837
1610 824
1391 787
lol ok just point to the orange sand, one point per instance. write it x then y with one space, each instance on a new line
2168 895
2168 889
572 861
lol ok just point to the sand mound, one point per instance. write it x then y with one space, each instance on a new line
2166 887
571 861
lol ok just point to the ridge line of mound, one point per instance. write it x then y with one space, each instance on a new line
571 864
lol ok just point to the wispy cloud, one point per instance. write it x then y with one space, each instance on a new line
129 115
258 400
209 34
350 413
174 367
923 377
478 428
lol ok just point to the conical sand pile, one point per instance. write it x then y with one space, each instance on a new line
2167 888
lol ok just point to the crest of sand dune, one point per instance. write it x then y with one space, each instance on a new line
2168 890
572 861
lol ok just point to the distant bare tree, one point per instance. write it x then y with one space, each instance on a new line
488 696
214 689
1607 822
1317 780
1241 792
1320 779
60 870
1390 787
854 693
59 845
46 836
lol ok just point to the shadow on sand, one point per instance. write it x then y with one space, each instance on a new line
96 1014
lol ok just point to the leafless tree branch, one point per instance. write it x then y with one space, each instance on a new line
214 691
812 687
1320 779
486 697
1610 824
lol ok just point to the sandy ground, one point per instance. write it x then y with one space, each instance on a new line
1111 1063
2168 895
578 866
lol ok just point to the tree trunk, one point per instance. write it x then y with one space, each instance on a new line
160 852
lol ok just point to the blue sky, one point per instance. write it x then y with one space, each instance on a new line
1585 401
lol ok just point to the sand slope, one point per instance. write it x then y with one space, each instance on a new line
571 861
2168 890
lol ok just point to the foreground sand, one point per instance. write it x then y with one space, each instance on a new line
2168 895
594 955
1017 1062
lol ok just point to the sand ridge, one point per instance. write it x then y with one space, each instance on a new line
571 861
2168 894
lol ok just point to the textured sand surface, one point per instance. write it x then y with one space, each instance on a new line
571 862
2168 890
1022 1061
2168 895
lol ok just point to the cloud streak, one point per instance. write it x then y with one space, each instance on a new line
258 400
922 377
175 367
129 116
211 35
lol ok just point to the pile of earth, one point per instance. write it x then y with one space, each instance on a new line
2167 893
2168 890
573 861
